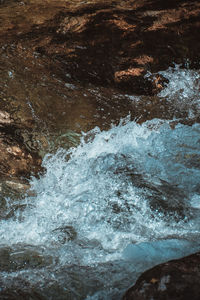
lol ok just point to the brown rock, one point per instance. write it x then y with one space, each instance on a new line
4 118
174 280
15 159
104 42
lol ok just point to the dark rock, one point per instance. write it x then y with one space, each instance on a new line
17 294
105 42
64 234
12 259
174 280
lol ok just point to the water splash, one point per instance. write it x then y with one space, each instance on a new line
130 185
107 187
122 201
182 89
182 83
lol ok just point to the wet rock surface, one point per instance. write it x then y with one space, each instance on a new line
22 258
67 37
16 159
177 280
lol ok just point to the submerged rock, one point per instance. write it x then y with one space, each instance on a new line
174 280
13 294
22 257
64 234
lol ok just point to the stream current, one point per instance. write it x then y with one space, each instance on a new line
119 203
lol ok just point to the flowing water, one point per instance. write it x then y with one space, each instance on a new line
120 202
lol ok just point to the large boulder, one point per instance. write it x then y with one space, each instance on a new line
174 280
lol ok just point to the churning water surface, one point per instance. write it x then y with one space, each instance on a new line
122 201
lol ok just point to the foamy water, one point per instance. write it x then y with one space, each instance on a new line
183 89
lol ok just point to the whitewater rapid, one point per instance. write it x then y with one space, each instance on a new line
128 196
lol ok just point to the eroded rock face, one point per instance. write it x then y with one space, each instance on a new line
174 280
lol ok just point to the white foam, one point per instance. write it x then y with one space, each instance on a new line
184 84
105 189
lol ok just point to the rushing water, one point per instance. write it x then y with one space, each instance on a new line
122 201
